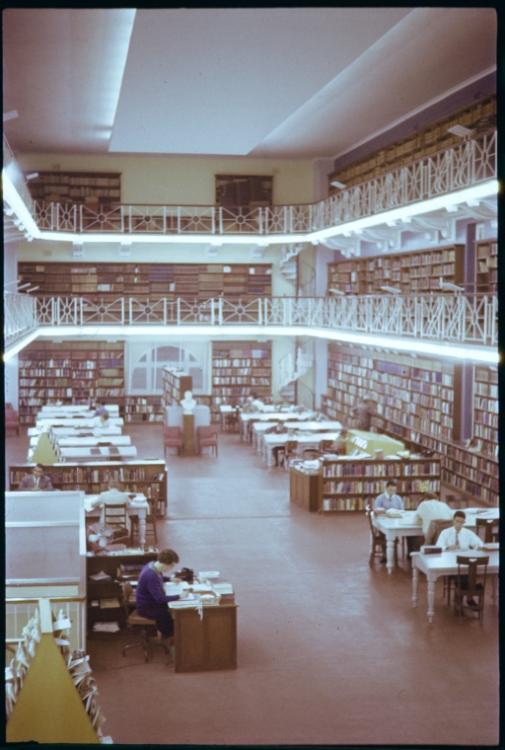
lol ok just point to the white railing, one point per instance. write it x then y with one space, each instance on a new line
465 319
19 611
20 316
461 166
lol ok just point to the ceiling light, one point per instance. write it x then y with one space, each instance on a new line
460 131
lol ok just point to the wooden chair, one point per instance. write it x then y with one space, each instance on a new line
470 583
145 626
116 517
290 450
378 542
488 529
11 419
434 529
325 445
231 421
172 438
151 533
206 437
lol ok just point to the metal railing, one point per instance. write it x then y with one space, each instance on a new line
20 316
462 166
18 611
461 318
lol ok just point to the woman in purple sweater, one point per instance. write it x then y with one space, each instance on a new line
151 599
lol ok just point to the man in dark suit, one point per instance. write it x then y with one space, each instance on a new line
37 480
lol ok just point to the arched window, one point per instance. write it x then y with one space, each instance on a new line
146 366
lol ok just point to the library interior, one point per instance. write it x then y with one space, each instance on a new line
250 373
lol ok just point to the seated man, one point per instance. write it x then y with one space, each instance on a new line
110 497
100 409
388 499
151 599
457 537
37 480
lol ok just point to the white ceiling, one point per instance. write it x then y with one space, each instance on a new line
289 82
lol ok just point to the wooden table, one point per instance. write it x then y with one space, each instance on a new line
259 429
35 432
272 414
138 507
406 525
45 423
70 410
93 441
208 642
307 439
435 566
77 455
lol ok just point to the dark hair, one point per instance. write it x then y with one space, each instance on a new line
40 466
168 556
391 483
459 514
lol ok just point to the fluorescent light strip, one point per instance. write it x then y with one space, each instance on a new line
449 351
404 213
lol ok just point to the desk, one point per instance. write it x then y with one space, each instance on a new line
259 428
206 643
138 507
93 441
77 455
70 410
272 415
35 432
396 528
44 423
308 439
435 566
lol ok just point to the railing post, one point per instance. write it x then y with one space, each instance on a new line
178 310
212 311
220 311
122 307
220 216
260 317
213 219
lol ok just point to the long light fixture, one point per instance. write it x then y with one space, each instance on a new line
404 213
483 354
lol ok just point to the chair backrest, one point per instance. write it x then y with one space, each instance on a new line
325 445
475 570
369 515
434 529
487 528
291 445
206 430
172 431
115 515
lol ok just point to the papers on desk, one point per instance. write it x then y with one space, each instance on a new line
175 589
223 589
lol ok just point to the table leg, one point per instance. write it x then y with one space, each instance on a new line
415 583
390 554
431 600
142 529
269 456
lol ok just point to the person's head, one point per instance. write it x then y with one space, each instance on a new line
458 520
167 559
254 395
38 471
391 488
104 416
114 484
343 433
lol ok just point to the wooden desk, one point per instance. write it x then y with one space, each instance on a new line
207 643
305 489
435 566
35 432
396 528
69 410
259 429
92 441
44 423
77 455
271 413
307 439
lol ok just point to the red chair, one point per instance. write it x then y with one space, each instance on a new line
206 438
11 419
172 438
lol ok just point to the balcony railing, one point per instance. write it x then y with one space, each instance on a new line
462 166
20 316
451 318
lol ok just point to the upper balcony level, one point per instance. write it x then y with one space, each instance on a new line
457 176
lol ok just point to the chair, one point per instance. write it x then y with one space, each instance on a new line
378 541
206 437
172 438
290 449
488 529
470 583
434 529
325 445
231 421
151 533
136 622
11 419
116 517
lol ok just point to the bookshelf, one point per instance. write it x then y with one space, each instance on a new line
140 409
238 369
412 272
350 484
486 271
175 384
148 477
418 402
102 188
57 700
247 191
149 281
73 372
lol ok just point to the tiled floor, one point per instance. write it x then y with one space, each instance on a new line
329 650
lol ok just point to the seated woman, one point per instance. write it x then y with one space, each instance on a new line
151 599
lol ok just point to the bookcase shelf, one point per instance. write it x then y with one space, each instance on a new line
413 272
240 368
148 477
344 485
108 281
175 383
416 403
486 271
73 372
102 188
141 409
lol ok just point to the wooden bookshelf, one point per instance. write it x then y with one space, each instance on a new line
73 372
147 476
149 281
417 401
240 368
414 272
247 191
104 188
141 409
486 271
175 384
350 485
485 403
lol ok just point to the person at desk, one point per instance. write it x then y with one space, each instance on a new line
102 420
37 480
457 536
100 410
113 495
278 428
338 446
151 599
388 499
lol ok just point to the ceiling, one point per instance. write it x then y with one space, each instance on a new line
274 82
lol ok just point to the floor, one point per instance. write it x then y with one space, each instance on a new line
329 650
